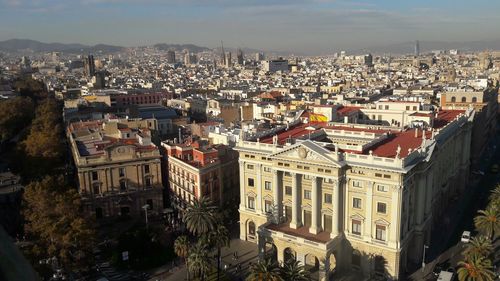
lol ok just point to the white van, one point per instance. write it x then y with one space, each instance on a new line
445 276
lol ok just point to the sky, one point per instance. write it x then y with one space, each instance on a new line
302 26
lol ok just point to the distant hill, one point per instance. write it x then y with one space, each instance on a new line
15 45
426 46
179 47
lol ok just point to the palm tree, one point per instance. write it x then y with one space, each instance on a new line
495 196
219 237
478 246
181 249
293 271
198 260
265 270
477 268
200 217
488 221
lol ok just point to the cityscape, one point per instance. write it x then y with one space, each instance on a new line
253 145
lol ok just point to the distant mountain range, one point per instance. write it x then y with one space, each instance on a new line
14 45
180 47
427 46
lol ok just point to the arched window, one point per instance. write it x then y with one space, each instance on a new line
474 99
453 99
356 258
464 99
251 228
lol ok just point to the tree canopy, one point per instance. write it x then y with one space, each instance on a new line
54 218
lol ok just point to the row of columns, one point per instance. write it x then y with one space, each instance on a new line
277 188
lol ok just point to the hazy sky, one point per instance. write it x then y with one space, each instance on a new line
311 26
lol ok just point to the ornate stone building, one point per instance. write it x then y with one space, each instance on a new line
346 197
118 166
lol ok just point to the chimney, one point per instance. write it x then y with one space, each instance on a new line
416 132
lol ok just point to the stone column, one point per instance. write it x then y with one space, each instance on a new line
242 186
258 186
368 208
337 203
278 208
395 216
296 217
421 199
315 194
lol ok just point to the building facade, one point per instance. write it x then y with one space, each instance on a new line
198 170
118 167
352 197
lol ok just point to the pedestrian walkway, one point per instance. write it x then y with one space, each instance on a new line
247 254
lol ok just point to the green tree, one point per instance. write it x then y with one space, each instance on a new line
15 115
181 249
200 217
495 197
294 271
265 270
478 246
477 268
219 237
54 220
487 221
198 260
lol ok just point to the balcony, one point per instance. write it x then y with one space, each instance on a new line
299 235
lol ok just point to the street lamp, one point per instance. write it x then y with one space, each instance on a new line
423 257
146 207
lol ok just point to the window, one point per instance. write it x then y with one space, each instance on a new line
474 99
250 182
288 190
414 108
250 167
327 223
356 258
123 185
148 182
387 176
356 183
378 175
146 169
356 203
464 99
267 169
386 107
121 172
381 208
95 188
328 171
150 203
251 203
307 194
328 198
380 233
407 107
356 227
307 177
95 176
267 185
382 188
268 206
453 99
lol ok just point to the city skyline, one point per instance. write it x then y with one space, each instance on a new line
322 26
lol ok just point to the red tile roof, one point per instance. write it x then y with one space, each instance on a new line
446 116
346 110
405 140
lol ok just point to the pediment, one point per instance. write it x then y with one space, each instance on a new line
306 151
121 151
382 222
357 216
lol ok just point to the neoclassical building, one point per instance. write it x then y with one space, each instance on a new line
349 197
118 167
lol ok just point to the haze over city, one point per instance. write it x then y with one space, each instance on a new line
306 27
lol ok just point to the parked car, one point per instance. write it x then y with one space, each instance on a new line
465 237
445 276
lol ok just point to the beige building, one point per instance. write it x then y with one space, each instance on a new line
118 166
354 198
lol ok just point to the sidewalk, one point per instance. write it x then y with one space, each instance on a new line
247 254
